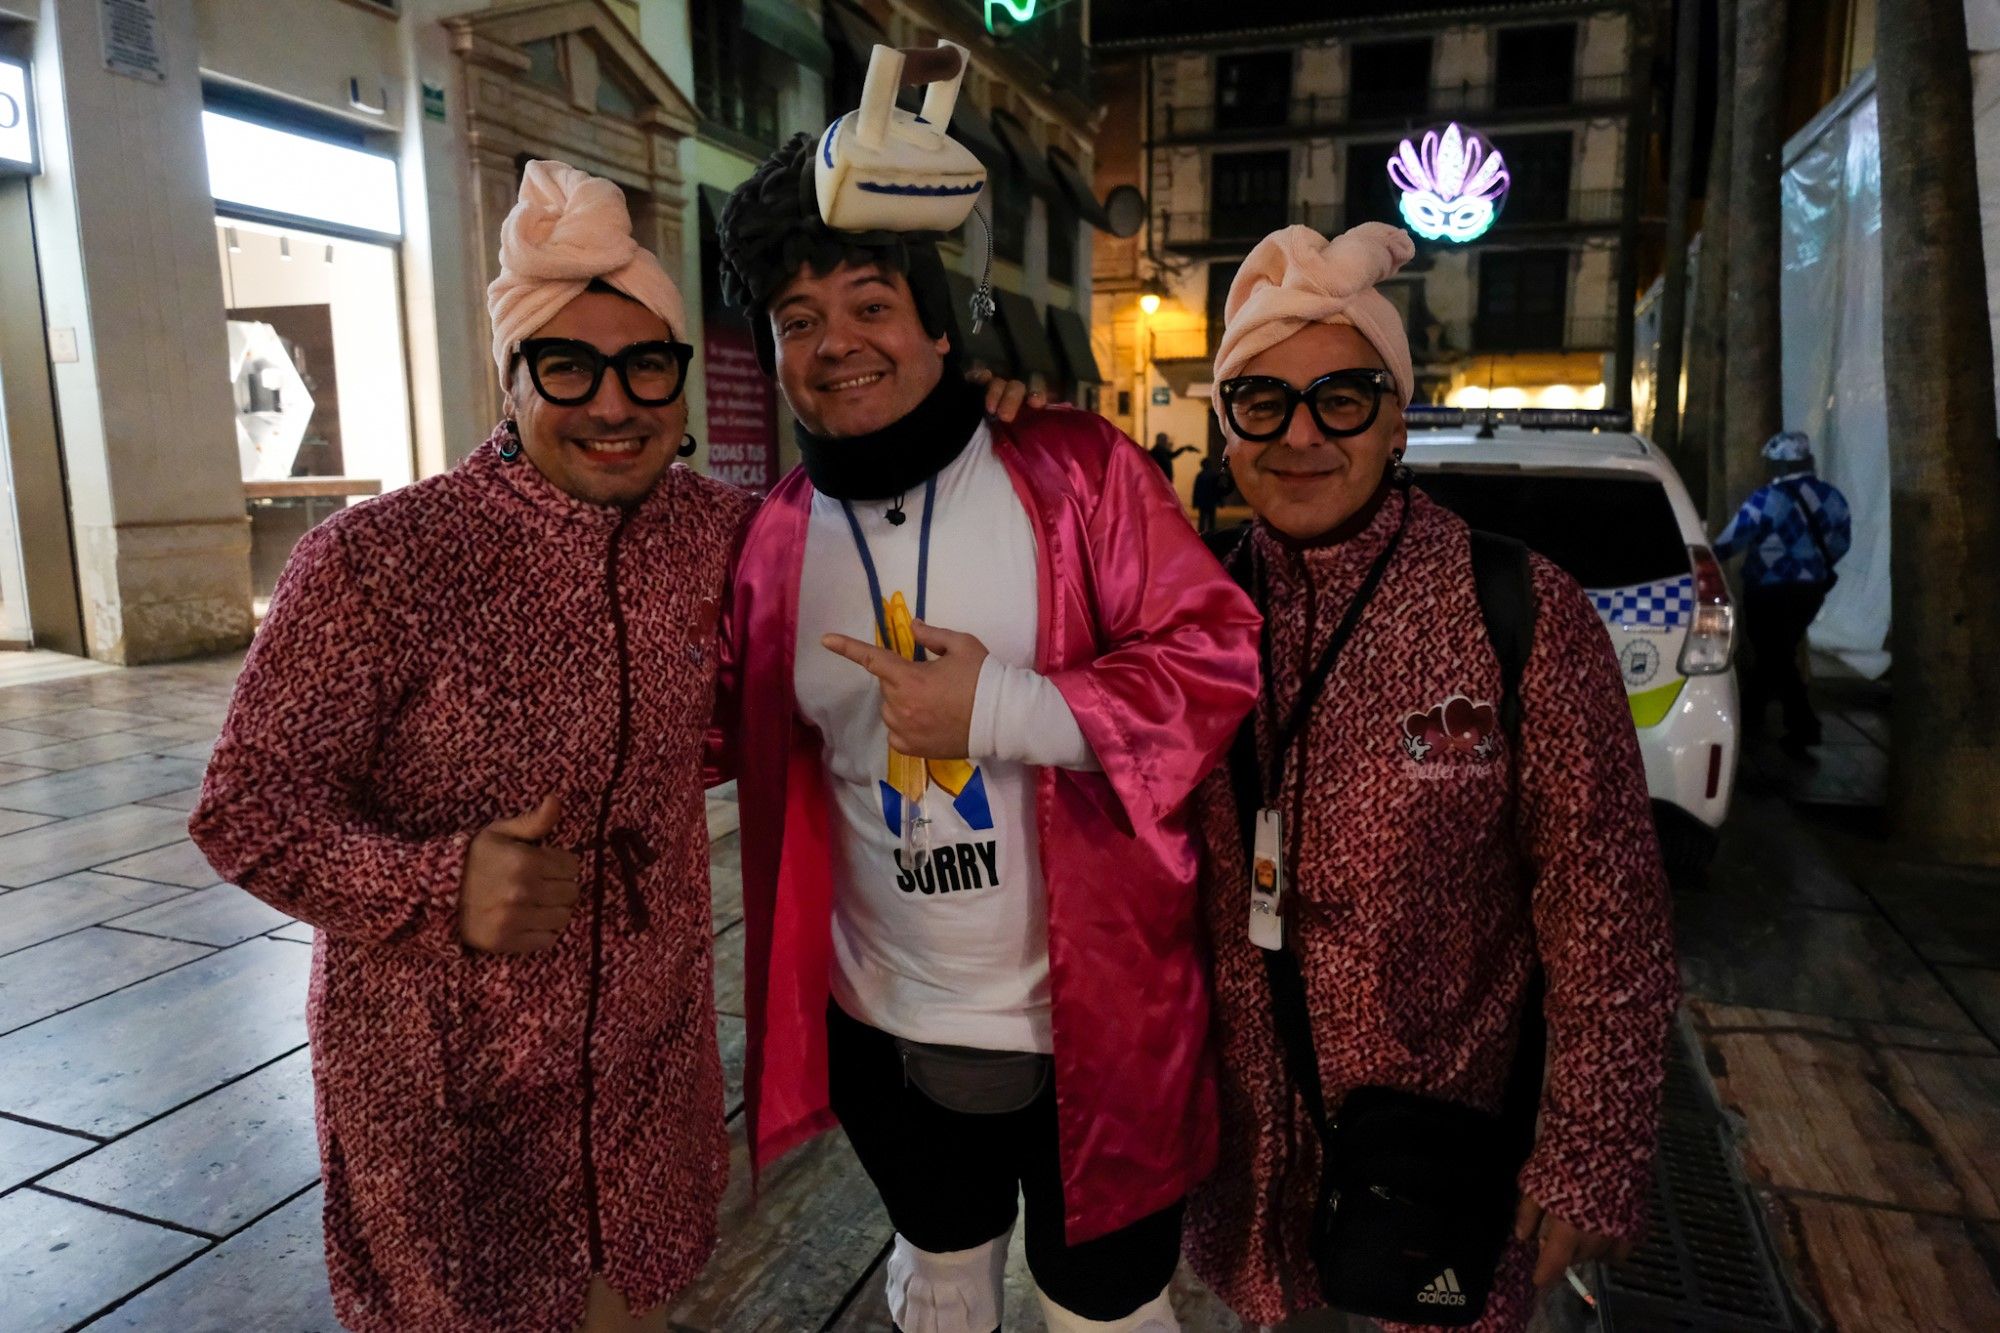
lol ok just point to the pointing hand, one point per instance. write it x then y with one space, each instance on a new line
927 706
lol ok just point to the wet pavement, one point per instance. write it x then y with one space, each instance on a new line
158 1167
1847 1003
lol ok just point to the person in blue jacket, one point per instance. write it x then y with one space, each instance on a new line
1792 531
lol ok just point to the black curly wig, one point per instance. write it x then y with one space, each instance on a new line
771 228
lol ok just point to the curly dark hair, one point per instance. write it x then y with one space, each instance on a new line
771 228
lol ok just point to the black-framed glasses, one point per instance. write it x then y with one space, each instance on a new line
568 373
1342 403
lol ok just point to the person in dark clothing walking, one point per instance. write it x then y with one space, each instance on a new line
1164 453
1792 530
1209 487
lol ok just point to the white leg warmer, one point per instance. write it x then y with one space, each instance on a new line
959 1292
1155 1316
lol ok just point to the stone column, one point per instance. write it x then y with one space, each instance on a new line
125 239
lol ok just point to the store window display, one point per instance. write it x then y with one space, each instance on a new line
317 371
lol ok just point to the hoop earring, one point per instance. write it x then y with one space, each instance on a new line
510 447
688 445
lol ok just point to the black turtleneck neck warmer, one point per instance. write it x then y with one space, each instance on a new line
903 454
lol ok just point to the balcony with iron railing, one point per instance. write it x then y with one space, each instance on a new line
1218 231
1590 94
1183 342
1453 340
1051 41
1580 208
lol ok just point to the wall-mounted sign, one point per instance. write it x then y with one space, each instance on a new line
433 101
1162 397
17 129
132 39
1453 185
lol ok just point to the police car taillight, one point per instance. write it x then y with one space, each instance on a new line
1711 638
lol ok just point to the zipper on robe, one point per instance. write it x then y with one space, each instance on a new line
601 844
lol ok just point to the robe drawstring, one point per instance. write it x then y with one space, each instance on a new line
628 846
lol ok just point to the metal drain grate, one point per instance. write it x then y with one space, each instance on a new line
1706 1266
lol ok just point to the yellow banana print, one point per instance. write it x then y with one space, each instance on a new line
908 774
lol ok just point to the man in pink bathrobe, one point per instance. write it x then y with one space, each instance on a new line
972 672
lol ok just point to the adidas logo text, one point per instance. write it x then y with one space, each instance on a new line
1443 1290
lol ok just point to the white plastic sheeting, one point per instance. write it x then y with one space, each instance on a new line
1833 380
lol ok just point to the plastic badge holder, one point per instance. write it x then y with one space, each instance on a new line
882 168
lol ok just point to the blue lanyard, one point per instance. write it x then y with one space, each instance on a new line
923 565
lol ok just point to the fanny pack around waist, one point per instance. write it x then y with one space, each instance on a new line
974 1082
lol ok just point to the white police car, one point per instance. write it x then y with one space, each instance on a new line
1607 506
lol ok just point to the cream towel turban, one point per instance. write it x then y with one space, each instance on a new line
568 229
1297 277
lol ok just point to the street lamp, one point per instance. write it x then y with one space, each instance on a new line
1149 304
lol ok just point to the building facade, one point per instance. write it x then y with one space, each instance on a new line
1245 129
244 250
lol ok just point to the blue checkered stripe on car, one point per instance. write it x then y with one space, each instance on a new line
1668 605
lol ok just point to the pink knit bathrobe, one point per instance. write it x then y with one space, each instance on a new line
494 1128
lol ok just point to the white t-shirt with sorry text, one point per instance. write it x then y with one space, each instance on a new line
955 951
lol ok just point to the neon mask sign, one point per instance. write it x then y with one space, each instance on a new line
1018 10
1452 186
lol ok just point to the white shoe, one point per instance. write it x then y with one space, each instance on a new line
1155 1316
955 1292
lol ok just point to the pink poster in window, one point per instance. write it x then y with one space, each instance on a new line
742 411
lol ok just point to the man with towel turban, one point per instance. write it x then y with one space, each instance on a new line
1436 815
973 670
466 747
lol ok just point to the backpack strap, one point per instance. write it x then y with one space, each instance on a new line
1506 587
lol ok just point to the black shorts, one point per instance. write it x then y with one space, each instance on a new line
950 1180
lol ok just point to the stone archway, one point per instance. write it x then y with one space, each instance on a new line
568 79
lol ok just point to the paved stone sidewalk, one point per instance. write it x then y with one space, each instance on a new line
158 1168
1847 999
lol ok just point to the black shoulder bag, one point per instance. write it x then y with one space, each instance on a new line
1417 1194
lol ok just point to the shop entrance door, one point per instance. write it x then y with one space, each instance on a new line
38 600
316 365
16 631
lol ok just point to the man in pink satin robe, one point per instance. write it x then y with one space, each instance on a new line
972 670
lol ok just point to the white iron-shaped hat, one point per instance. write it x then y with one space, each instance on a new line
882 168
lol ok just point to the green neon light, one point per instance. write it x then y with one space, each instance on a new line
1018 10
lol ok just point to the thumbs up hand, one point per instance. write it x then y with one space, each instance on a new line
517 895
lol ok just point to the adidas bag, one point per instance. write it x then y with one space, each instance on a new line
1417 1201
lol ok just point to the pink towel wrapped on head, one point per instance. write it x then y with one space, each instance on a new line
569 229
1297 277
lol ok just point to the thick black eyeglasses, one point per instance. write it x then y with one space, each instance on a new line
568 373
1342 403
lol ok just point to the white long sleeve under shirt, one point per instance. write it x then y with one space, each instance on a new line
956 952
